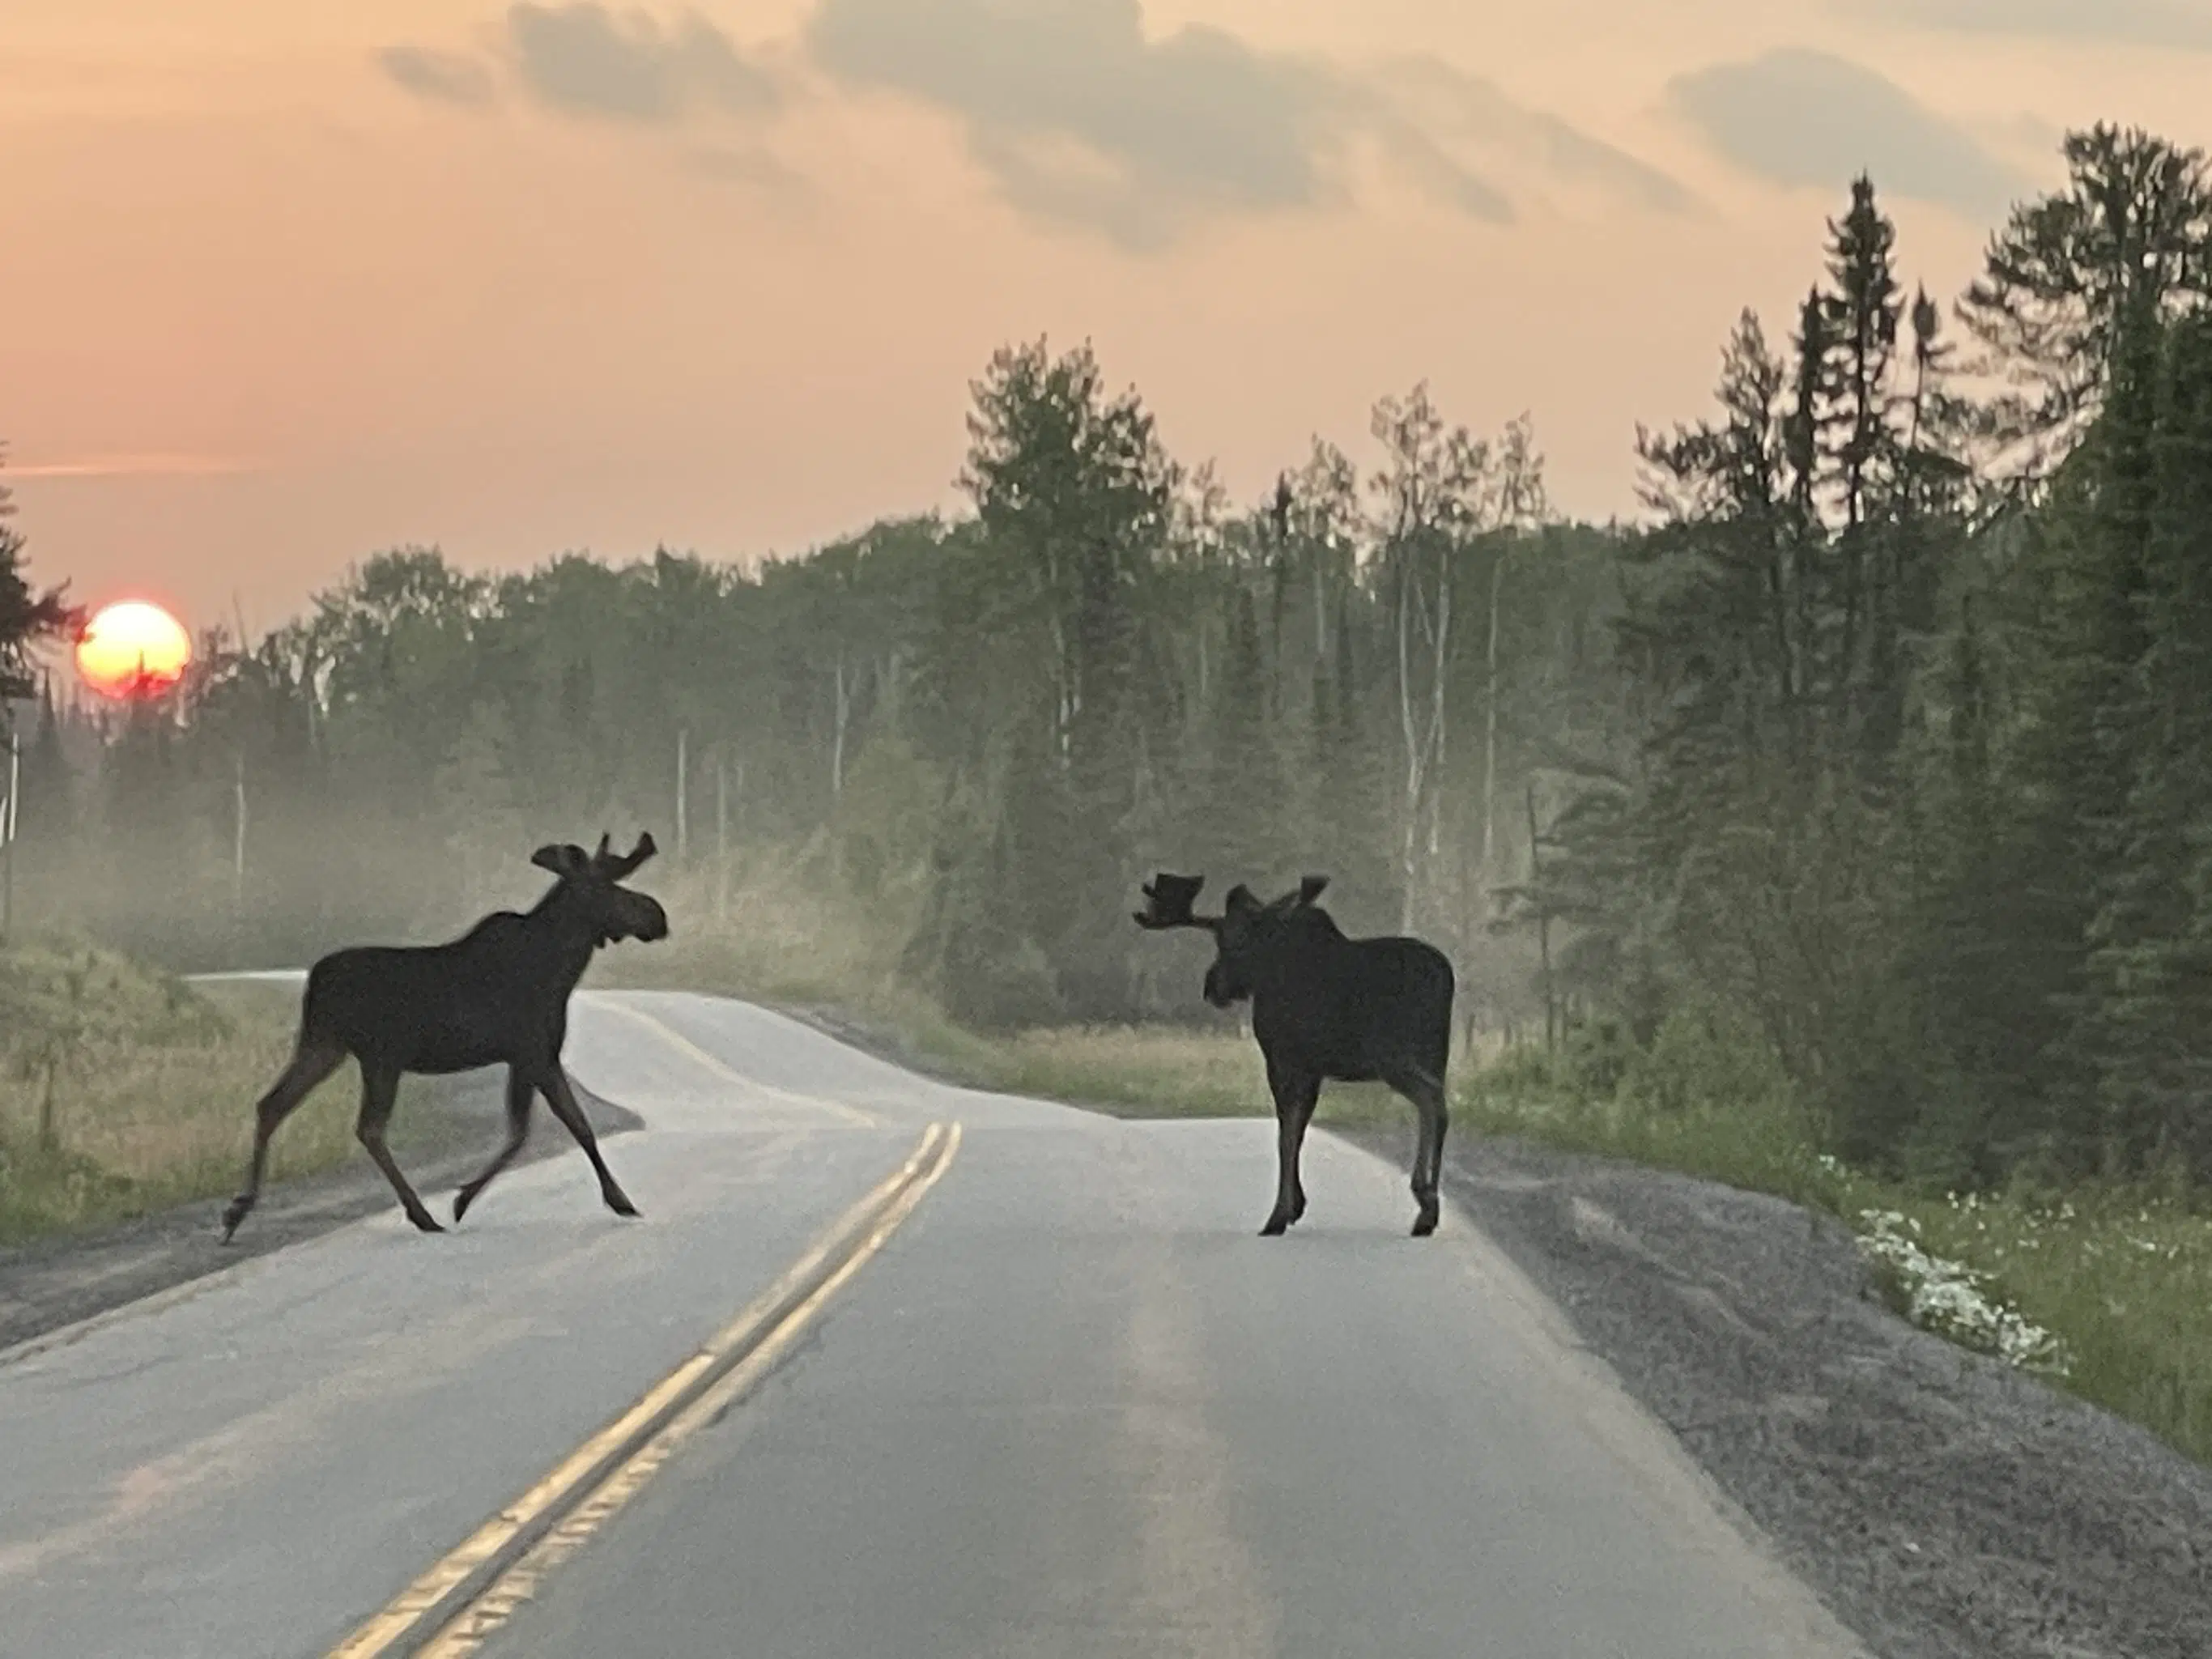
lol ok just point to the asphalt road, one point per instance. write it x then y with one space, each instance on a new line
1073 1407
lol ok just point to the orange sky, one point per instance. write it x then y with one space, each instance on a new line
295 279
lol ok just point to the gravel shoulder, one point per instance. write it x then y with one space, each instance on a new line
49 1287
1940 1503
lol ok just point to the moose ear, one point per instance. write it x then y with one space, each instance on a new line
1311 888
1239 898
563 859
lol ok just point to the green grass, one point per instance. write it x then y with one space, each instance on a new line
153 1084
2121 1277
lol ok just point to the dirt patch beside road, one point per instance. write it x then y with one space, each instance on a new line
56 1283
1940 1503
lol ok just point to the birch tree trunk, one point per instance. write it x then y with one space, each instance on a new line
844 712
1490 724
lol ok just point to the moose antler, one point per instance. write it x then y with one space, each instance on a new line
618 866
1168 901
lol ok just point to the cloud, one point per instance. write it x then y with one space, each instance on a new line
136 466
442 77
1083 119
583 60
1079 118
1804 117
1479 113
2183 23
753 168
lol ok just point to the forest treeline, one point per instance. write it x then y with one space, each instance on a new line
1885 739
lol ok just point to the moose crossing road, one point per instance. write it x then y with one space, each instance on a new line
1045 1393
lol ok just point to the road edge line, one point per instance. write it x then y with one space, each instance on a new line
436 1595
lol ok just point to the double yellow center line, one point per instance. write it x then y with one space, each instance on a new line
454 1606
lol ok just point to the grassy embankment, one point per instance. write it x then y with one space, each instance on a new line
2108 1289
123 1091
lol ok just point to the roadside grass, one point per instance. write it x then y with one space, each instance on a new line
2107 1291
2122 1276
123 1091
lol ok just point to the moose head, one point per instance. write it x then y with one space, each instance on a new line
592 882
1244 934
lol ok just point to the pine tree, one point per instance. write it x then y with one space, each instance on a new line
2151 969
2083 633
2072 273
1073 491
1865 309
27 616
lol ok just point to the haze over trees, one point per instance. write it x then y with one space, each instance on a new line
1884 744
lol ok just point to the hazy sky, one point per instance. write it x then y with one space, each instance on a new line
284 281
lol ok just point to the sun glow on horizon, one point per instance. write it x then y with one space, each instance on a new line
133 649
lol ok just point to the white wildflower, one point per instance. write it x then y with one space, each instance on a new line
1952 1300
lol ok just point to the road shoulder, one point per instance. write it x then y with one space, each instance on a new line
1940 1503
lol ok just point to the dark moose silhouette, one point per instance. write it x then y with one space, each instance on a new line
498 994
1323 1006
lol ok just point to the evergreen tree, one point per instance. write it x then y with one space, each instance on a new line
1866 309
2151 969
2081 625
1072 492
27 616
2071 273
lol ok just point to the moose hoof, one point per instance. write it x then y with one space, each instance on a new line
233 1215
462 1199
1275 1227
1426 1223
425 1222
620 1205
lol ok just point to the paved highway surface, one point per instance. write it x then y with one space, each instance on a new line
1073 1406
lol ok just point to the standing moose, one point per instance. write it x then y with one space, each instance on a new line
1323 1006
498 993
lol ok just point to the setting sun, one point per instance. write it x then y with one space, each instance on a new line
133 649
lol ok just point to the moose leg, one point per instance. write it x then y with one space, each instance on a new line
1297 1156
311 1064
1295 1097
379 1089
520 1093
562 1099
1427 1094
